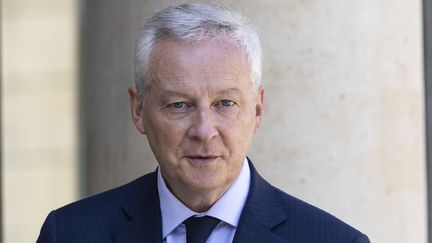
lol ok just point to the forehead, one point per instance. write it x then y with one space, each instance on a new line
213 61
216 48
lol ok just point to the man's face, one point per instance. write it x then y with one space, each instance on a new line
199 113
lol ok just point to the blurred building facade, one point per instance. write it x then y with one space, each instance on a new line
39 119
343 126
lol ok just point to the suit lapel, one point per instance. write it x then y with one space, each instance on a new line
261 214
253 231
143 222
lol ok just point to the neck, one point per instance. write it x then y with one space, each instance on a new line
198 201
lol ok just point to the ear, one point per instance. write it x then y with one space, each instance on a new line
259 108
136 109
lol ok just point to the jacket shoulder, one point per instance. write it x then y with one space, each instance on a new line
111 198
292 219
307 223
92 219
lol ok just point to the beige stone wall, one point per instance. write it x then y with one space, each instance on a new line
343 127
39 119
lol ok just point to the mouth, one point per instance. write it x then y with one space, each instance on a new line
201 159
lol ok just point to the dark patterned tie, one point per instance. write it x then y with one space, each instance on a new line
198 229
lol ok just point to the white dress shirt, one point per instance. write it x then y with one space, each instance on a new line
228 209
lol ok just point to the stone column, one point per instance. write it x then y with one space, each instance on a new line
344 123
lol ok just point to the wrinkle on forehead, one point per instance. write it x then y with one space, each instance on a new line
201 66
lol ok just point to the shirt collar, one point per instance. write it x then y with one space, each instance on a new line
228 208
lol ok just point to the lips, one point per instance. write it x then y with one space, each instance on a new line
202 159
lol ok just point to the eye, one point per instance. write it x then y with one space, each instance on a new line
178 105
227 103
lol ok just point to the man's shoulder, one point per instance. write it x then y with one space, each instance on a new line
113 197
316 223
312 215
293 219
93 218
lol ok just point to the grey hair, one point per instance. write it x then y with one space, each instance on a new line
195 23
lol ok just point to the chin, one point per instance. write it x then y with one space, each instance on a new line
206 182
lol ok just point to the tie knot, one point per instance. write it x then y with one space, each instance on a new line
198 229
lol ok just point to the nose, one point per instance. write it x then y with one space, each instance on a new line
204 127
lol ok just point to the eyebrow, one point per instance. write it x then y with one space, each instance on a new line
230 90
168 93
164 93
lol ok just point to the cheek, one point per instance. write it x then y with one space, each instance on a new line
248 127
167 135
239 129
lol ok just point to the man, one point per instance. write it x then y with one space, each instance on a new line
198 99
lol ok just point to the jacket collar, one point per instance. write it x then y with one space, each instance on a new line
142 210
261 214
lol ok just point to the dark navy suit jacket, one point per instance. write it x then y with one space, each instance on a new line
131 214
